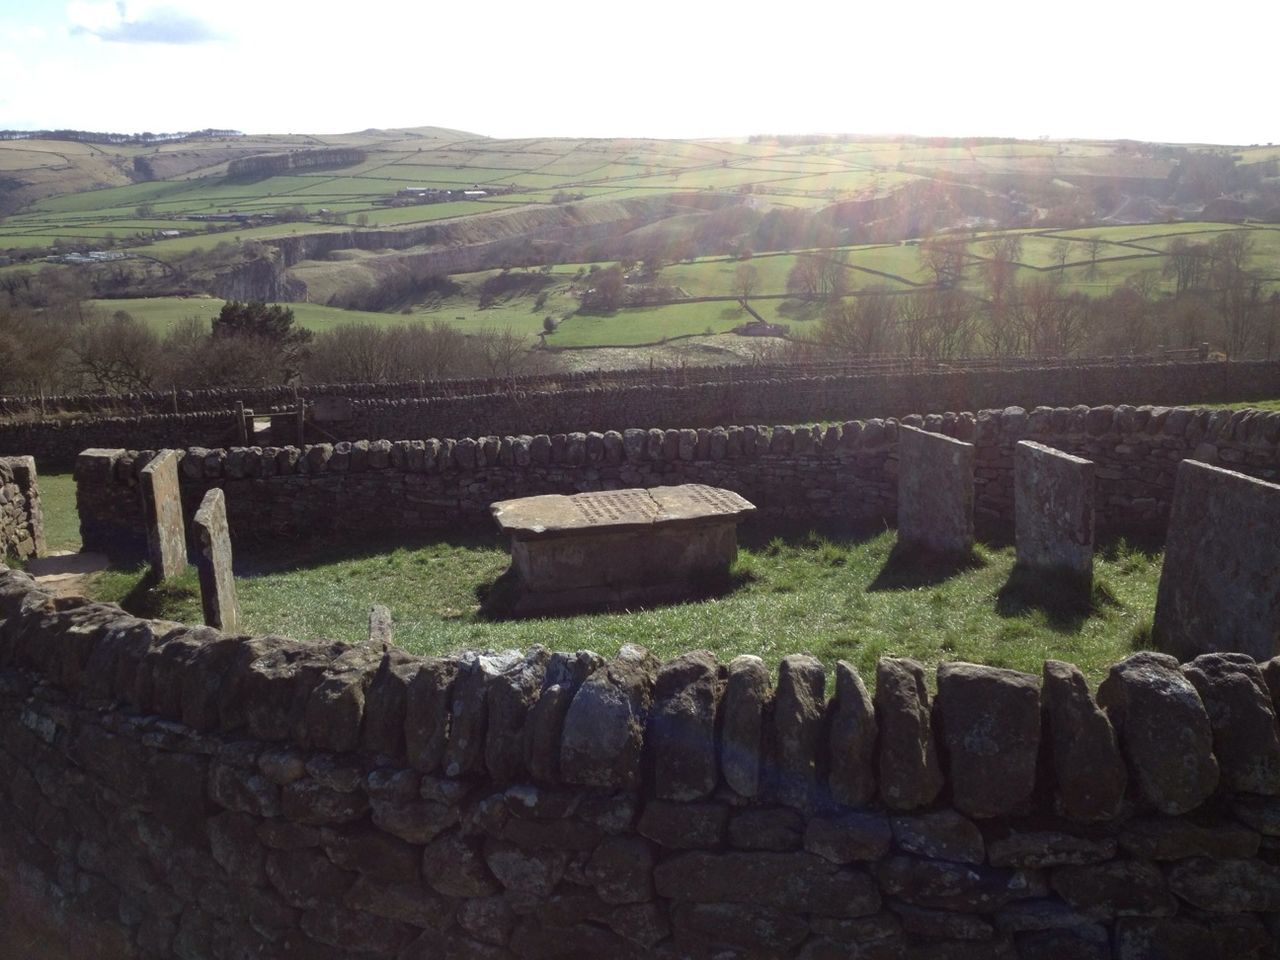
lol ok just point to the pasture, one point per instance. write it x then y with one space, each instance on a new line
1125 251
78 192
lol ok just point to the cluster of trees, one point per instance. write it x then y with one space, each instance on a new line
88 136
364 353
57 343
1217 299
66 345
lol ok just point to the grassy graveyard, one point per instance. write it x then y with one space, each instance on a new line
827 593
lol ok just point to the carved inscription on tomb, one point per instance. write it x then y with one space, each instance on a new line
614 507
722 501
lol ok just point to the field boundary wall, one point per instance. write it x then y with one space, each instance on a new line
56 442
844 473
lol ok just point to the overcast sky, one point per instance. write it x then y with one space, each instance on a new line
1144 70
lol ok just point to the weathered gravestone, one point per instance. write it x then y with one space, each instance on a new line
620 546
935 492
1220 582
162 509
1053 497
213 560
380 625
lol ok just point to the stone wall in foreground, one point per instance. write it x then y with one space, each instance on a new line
844 472
172 792
785 399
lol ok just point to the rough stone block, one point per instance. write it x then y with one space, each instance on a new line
746 693
604 728
852 740
1053 497
935 492
909 773
795 731
213 561
990 727
1089 772
1218 585
162 507
1163 729
940 835
1246 736
682 727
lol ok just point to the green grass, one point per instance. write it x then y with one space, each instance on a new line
1269 406
58 503
836 597
647 324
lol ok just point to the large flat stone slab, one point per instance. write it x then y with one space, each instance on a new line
1053 506
935 492
619 547
162 508
1220 582
213 561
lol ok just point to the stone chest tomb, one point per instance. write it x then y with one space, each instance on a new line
619 547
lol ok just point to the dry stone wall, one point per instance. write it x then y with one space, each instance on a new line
785 399
21 515
171 791
265 398
844 472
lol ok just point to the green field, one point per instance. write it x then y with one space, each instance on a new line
781 173
1126 251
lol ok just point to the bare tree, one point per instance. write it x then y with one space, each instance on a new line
1061 251
945 258
864 325
1238 290
116 354
818 276
745 281
1054 321
1187 264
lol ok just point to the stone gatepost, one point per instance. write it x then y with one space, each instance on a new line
1220 582
162 508
213 561
1053 508
24 477
935 492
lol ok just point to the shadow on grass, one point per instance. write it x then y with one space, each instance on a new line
286 556
908 568
1066 599
498 599
1146 545
150 598
761 535
801 310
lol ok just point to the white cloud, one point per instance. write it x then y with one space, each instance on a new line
139 23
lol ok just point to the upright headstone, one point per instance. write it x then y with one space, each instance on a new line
935 492
1220 582
1053 497
162 509
380 625
213 560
